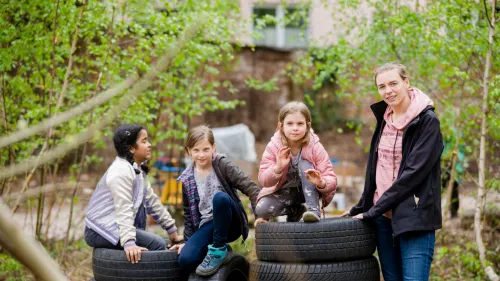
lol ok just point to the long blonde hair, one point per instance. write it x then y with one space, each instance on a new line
291 108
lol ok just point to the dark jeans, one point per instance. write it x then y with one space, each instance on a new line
406 257
225 227
291 195
151 241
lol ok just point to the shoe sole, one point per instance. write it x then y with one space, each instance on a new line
213 271
309 217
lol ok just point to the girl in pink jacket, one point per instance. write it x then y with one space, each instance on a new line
295 169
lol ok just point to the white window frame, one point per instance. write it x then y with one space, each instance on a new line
280 29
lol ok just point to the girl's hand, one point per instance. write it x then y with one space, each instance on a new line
314 177
174 239
259 221
177 247
359 217
346 214
133 253
282 159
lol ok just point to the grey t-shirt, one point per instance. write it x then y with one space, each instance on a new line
295 159
292 177
207 188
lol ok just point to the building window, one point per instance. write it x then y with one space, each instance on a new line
282 33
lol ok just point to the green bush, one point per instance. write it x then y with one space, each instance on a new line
11 269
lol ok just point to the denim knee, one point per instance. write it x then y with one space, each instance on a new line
158 244
221 199
186 262
89 241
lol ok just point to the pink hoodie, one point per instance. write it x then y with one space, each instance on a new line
314 152
390 148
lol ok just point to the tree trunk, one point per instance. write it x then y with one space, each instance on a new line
41 205
482 151
53 201
12 156
449 188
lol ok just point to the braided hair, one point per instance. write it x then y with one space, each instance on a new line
126 137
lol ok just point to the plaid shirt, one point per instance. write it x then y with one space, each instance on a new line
189 183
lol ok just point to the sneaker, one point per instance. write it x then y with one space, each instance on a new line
296 213
214 259
310 216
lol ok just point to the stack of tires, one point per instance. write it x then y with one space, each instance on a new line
332 249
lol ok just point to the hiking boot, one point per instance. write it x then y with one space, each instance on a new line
296 213
311 216
214 259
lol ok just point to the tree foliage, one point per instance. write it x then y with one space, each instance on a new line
115 39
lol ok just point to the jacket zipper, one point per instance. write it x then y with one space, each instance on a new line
394 156
403 158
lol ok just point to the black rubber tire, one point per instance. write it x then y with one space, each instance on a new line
112 265
332 239
359 270
236 269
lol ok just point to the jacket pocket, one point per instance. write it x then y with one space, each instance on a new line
425 198
407 208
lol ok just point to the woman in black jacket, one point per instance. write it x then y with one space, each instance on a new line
402 192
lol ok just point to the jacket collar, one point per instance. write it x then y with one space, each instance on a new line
379 108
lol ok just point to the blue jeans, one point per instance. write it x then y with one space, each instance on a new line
151 241
225 227
406 257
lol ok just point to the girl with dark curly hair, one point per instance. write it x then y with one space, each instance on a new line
116 216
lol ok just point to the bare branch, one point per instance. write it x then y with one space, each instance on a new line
48 188
28 178
71 58
487 15
53 72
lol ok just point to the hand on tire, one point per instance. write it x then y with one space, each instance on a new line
177 247
346 214
359 217
133 253
259 221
